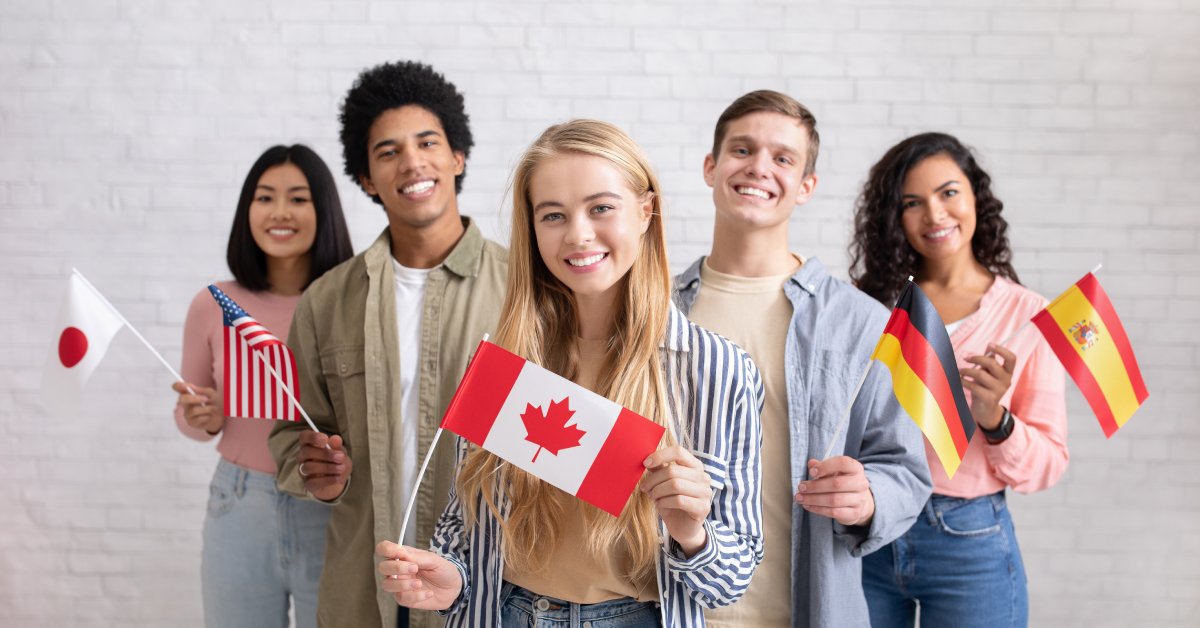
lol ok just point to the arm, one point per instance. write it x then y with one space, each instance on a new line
451 539
719 573
1035 455
286 438
199 417
892 455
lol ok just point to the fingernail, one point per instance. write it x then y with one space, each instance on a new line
799 499
646 462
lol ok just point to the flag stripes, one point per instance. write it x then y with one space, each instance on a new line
916 349
252 352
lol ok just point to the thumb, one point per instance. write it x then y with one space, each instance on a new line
335 442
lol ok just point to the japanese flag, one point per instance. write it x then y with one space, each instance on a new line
86 326
551 427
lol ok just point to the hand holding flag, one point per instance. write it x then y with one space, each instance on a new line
201 406
682 494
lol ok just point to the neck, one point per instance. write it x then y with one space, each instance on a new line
427 246
287 276
953 273
751 252
595 315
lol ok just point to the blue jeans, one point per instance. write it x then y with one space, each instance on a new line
959 563
522 607
260 547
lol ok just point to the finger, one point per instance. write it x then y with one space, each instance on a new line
420 600
831 500
845 516
673 473
318 483
679 486
848 483
1010 358
989 365
313 439
834 466
336 444
695 508
317 454
673 455
397 569
316 469
985 379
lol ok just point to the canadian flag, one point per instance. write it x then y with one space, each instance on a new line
86 326
551 427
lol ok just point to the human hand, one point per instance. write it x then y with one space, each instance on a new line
418 578
988 381
682 495
838 488
323 464
203 410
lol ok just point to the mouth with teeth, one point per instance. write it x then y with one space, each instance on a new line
940 234
281 233
419 189
586 263
753 192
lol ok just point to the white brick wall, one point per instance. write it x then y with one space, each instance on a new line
126 126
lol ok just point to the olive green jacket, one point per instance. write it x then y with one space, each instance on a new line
344 337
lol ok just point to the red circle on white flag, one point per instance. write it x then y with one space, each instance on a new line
72 346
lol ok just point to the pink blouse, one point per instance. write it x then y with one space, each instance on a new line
243 441
1035 456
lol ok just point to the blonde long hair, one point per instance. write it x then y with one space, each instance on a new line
539 323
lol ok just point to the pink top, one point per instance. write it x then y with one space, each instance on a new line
1035 456
243 441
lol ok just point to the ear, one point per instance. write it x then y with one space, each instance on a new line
460 162
710 163
807 186
367 186
647 202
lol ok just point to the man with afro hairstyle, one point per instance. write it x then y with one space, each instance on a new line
382 340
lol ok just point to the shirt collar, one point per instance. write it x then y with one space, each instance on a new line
463 259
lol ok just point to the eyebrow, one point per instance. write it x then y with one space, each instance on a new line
776 145
587 199
937 189
392 142
294 188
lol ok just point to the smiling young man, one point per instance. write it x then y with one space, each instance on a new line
382 340
811 336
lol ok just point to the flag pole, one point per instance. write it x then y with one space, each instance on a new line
412 497
287 389
854 397
133 329
1004 343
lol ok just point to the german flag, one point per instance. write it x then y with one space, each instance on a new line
916 349
1083 329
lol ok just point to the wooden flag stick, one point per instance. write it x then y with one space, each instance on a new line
412 497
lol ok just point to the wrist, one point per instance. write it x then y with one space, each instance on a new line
692 544
1001 430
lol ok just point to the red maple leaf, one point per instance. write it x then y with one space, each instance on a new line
550 430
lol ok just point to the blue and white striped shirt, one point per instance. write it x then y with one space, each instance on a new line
717 390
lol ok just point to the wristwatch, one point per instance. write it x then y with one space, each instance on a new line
1002 431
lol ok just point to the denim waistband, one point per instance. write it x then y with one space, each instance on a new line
554 608
945 502
243 479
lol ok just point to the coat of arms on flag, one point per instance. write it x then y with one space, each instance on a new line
259 371
552 428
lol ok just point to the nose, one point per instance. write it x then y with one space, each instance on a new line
759 165
934 210
281 209
410 159
580 232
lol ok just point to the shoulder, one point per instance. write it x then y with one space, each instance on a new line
495 252
1011 297
842 300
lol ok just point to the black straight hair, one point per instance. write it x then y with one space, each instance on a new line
331 244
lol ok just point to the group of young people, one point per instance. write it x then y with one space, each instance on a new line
749 358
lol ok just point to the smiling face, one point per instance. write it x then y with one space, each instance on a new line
588 223
412 168
758 176
283 220
938 209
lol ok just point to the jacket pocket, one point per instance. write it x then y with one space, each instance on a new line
344 369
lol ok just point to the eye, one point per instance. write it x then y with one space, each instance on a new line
263 198
300 200
551 217
603 209
428 143
740 150
384 154
950 192
909 204
787 161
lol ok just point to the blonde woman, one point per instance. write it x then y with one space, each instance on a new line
589 298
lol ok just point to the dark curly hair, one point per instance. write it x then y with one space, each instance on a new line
391 86
880 256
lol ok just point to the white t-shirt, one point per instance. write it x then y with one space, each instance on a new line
410 301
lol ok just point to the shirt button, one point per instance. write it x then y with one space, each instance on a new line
342 368
587 624
543 604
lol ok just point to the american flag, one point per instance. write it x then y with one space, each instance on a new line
252 390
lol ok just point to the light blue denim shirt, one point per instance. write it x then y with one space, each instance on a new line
833 331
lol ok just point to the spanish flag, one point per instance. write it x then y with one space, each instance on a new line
916 349
1083 329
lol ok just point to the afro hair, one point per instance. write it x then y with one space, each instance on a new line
391 86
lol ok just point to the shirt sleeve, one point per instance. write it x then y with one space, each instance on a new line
720 572
197 362
1035 455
